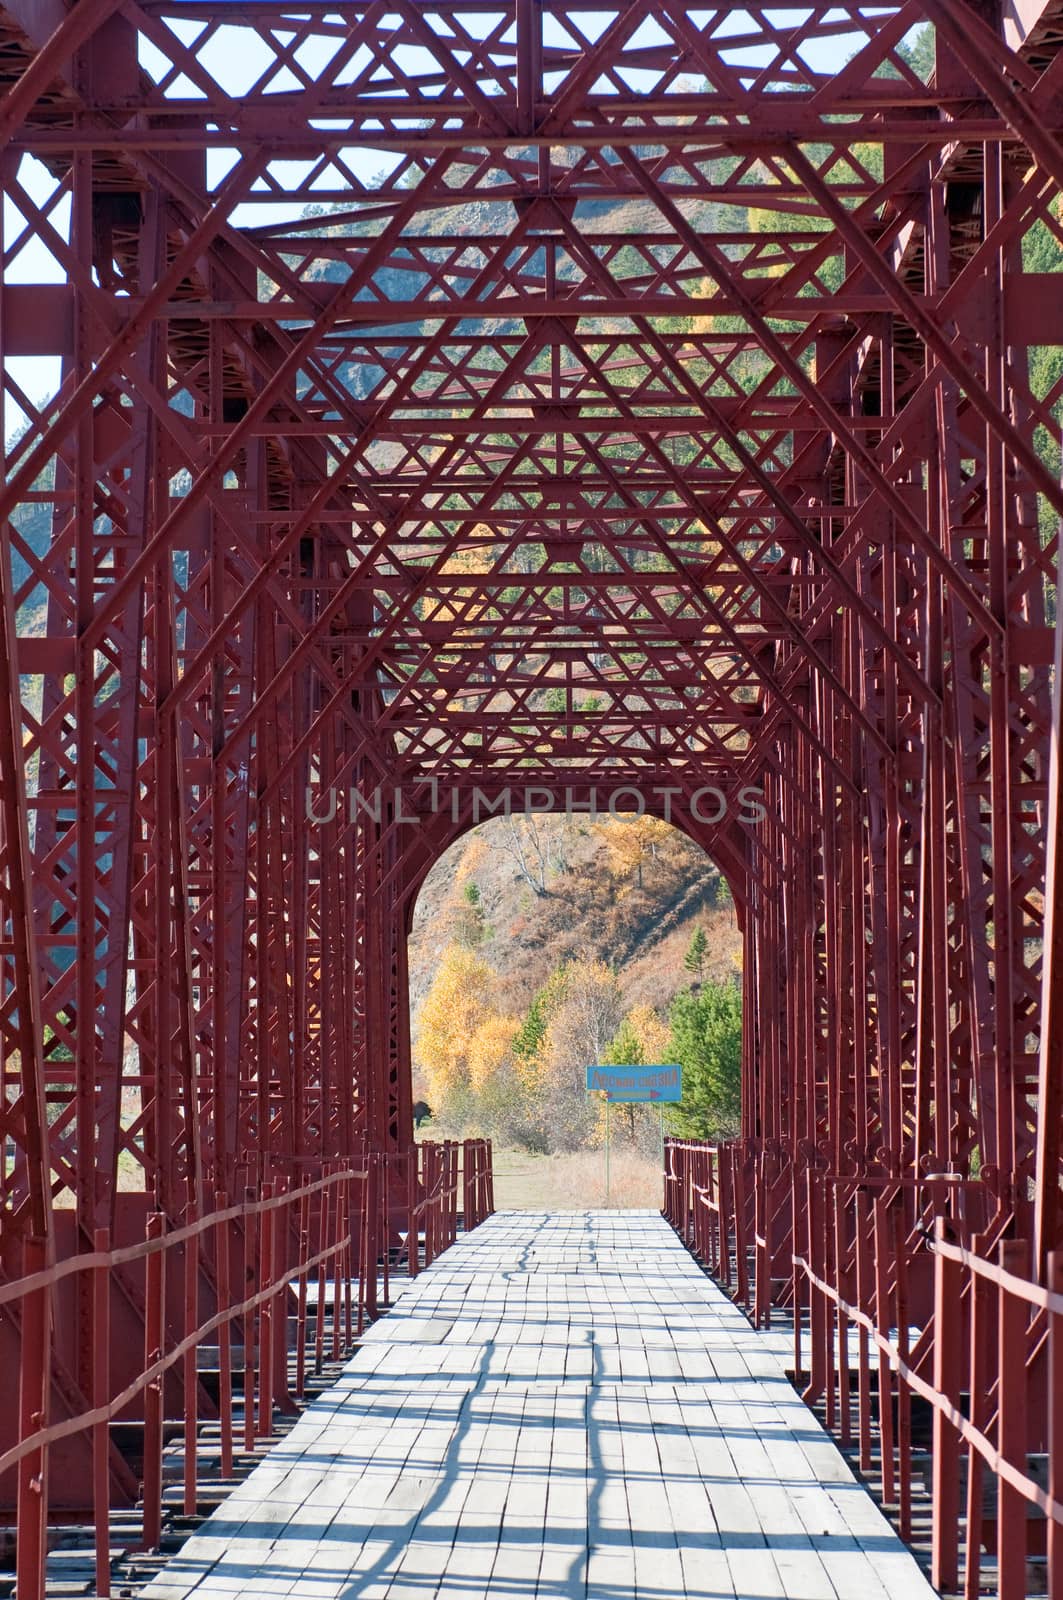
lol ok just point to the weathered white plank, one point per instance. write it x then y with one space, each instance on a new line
562 1406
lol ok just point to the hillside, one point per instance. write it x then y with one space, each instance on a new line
593 904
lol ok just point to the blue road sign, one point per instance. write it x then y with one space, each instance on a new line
659 1084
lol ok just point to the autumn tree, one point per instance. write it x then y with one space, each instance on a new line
579 1031
458 1003
652 1032
526 842
625 1050
506 1100
630 843
491 1050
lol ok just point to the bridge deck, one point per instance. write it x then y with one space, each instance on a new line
562 1406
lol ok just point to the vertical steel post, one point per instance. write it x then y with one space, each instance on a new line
101 1395
223 1235
1012 1319
190 1373
1054 1282
34 1389
154 1344
948 1331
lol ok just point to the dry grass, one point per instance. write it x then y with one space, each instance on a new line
526 1182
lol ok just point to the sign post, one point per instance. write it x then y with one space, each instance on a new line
634 1085
608 1132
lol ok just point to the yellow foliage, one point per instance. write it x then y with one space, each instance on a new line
458 1003
474 561
705 322
652 1032
631 843
472 857
489 1049
583 1022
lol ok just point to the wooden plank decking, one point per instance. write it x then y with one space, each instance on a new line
562 1406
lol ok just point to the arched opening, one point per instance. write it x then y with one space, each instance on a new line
544 943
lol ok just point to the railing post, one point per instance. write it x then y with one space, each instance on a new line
154 1324
362 1236
684 1190
34 1386
709 1201
948 1358
455 1176
190 1373
450 1191
412 1224
265 1318
322 1278
101 1394
798 1278
841 1279
1054 1279
371 1235
250 1285
300 1325
738 1202
679 1155
863 1301
336 1263
978 1370
725 1201
904 1393
829 1273
352 1245
222 1276
689 1220
359 1234
1014 1256
282 1227
816 1308
385 1244
883 1322
427 1181
761 1255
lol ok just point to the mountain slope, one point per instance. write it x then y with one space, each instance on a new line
593 905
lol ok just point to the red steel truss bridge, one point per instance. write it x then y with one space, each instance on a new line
409 405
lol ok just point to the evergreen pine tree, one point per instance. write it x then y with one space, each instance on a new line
697 949
707 1042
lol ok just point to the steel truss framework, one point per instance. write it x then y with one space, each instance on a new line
428 371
